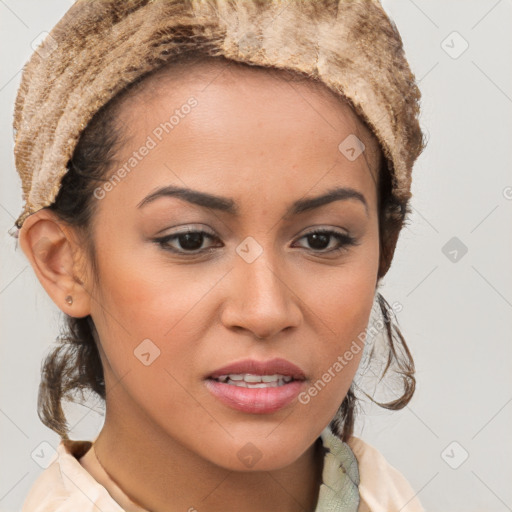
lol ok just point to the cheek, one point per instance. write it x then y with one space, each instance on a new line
342 296
341 301
152 313
338 356
347 318
146 294
147 332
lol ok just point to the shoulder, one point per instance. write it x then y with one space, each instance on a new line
47 492
382 487
65 486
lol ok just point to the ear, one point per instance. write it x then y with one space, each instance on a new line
54 254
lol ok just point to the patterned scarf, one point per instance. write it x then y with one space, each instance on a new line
339 491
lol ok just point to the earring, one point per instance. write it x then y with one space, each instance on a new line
69 299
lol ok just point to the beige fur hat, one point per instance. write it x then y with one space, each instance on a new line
101 46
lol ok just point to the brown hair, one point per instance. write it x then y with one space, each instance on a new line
74 365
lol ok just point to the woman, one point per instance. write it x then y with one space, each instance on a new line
213 192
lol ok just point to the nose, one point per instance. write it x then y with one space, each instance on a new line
260 300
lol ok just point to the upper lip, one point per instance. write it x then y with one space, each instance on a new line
271 367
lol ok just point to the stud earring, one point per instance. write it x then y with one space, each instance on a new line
69 299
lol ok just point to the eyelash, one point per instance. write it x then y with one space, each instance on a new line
345 240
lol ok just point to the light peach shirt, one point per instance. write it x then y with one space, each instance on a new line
76 482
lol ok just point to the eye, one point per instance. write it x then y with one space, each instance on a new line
320 239
190 241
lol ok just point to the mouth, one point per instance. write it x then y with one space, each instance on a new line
252 371
253 386
251 381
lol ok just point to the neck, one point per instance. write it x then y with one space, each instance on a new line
162 475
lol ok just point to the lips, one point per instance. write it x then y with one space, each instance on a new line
275 366
265 398
255 400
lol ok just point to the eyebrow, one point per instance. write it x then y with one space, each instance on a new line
228 205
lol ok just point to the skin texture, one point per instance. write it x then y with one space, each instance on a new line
265 142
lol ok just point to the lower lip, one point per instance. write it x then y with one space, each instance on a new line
255 400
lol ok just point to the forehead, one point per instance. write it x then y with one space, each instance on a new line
282 87
248 126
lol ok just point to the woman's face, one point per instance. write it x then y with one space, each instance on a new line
250 281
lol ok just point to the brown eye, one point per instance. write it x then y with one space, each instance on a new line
188 241
319 240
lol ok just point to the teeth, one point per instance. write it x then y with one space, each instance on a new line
251 378
247 380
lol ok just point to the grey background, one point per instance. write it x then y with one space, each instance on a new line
456 315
